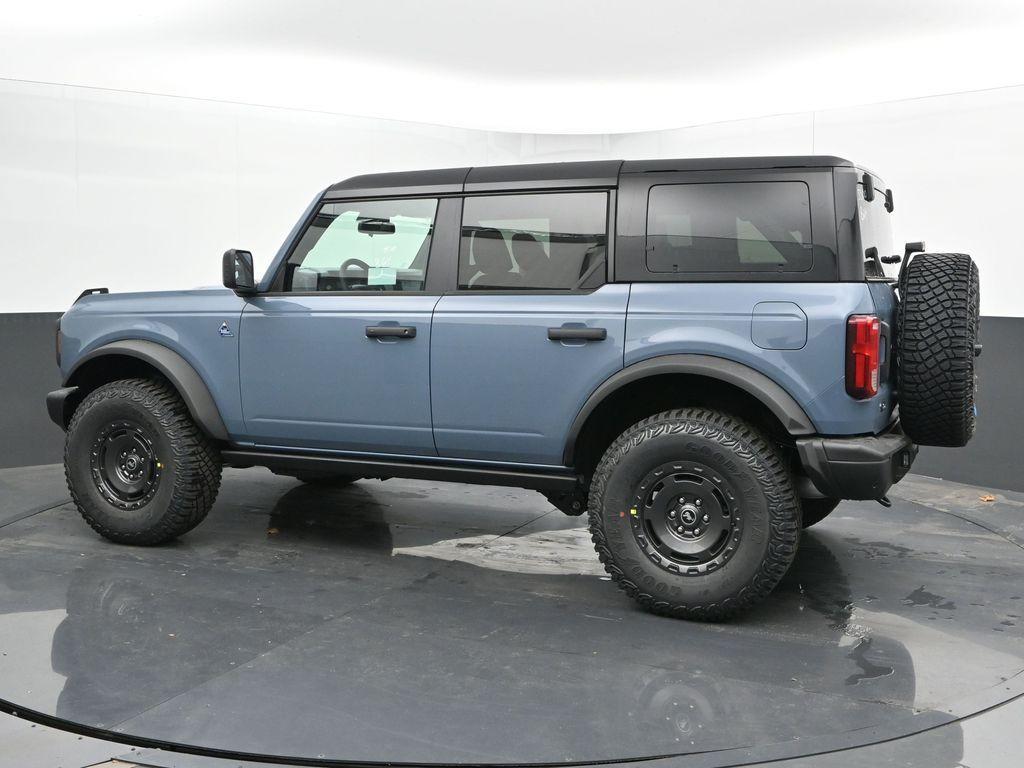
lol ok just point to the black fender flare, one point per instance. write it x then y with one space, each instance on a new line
787 410
176 369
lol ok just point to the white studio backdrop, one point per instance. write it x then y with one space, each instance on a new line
141 192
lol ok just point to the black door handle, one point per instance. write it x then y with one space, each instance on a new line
398 331
586 334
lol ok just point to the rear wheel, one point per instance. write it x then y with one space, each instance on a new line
138 468
693 514
816 510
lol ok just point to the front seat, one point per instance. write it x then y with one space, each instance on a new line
532 260
493 261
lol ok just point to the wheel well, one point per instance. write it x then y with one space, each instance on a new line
647 396
102 370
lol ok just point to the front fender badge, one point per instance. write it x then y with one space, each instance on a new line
224 330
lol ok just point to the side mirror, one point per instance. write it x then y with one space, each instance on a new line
238 271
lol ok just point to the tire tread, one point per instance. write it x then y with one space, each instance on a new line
937 321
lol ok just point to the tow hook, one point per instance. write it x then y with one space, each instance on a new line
884 501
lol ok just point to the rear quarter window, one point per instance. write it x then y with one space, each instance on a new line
729 227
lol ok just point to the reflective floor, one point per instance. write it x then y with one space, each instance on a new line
427 622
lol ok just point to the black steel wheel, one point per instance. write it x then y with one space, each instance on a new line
138 467
124 464
694 515
687 517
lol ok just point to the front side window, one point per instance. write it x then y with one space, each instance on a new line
534 242
374 245
729 227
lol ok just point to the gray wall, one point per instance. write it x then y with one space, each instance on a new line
27 372
993 458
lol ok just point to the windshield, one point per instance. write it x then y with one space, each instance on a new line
875 225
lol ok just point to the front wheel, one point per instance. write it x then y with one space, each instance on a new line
138 467
694 515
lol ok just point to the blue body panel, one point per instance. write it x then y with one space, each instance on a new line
187 322
718 319
311 378
500 389
481 380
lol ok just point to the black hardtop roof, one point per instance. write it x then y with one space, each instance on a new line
594 173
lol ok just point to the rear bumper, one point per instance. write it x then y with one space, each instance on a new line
857 467
55 405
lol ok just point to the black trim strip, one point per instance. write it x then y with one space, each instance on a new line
789 413
183 377
556 479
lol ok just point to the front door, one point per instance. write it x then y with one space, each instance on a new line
338 355
531 330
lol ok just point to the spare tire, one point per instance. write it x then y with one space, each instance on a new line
937 332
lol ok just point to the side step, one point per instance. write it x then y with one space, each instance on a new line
559 479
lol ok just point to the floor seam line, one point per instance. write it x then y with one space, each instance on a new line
510 531
36 511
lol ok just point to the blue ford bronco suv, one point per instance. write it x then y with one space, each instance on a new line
705 356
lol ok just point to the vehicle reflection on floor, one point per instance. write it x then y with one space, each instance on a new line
351 623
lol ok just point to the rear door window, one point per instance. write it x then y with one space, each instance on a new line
541 242
729 227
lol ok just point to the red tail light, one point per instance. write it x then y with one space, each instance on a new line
863 355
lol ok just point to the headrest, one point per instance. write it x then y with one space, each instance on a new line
490 252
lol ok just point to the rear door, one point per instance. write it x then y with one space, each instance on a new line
532 328
339 356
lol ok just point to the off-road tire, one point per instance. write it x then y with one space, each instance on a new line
937 329
765 498
327 481
190 465
816 510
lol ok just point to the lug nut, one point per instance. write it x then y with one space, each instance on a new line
680 529
706 519
697 502
671 513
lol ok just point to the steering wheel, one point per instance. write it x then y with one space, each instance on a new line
344 268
